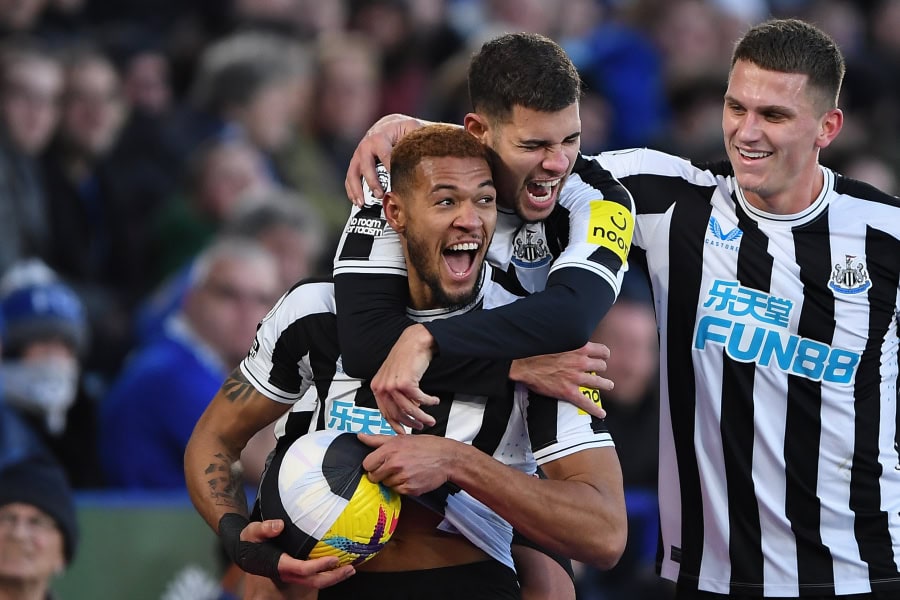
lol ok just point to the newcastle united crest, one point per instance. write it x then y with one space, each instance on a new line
530 249
850 278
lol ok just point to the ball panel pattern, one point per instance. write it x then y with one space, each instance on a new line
318 487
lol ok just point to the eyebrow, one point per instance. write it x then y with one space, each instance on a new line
767 108
543 142
447 186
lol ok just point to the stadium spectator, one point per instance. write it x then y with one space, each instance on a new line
45 339
31 83
150 411
38 528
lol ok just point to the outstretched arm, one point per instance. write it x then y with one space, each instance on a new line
578 512
213 477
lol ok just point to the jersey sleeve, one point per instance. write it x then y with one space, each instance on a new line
371 294
557 429
277 364
584 280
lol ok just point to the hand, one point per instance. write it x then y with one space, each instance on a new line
248 546
410 464
562 375
396 384
377 144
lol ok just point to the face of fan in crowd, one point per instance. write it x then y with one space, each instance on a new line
235 285
31 545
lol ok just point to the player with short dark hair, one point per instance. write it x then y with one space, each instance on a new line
570 248
776 283
443 209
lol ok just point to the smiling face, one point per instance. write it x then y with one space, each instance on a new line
536 152
31 545
446 220
774 125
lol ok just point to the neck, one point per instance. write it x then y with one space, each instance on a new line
23 589
793 200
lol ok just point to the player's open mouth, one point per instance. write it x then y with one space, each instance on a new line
460 258
541 193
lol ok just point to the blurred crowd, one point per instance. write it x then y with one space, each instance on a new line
169 168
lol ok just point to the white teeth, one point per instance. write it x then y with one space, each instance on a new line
464 246
754 154
546 184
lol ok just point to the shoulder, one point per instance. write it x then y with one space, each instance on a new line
860 190
306 297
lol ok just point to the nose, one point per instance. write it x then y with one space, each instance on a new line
555 160
467 217
748 127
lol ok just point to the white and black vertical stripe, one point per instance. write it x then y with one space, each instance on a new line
786 477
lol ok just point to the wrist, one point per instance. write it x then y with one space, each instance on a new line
517 370
420 339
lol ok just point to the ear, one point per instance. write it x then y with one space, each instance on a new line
830 127
393 212
477 125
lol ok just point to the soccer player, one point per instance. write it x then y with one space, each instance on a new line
570 247
443 208
776 288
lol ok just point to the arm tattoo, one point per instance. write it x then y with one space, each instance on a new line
237 387
226 482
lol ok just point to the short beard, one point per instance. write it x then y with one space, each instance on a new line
418 252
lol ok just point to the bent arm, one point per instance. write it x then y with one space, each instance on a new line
579 511
371 317
560 318
211 468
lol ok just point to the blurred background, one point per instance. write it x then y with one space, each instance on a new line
169 168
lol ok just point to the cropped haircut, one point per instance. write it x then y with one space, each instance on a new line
794 46
432 141
521 69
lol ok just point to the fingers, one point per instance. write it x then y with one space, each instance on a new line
597 350
318 573
596 382
256 531
399 410
373 440
353 182
589 405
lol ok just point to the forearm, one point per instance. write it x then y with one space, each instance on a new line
212 472
558 319
212 458
578 516
371 318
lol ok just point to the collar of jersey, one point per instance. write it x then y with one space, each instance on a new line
803 217
444 313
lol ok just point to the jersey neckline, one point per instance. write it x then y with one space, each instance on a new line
803 217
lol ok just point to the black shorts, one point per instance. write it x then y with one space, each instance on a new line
486 580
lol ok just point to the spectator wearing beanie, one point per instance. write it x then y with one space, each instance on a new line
38 528
44 342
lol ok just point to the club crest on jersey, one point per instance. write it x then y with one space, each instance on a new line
850 278
530 249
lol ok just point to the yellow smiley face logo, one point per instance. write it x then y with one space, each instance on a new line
611 226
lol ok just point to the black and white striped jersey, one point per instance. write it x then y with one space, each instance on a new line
295 359
779 470
576 258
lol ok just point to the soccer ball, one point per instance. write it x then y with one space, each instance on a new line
318 487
